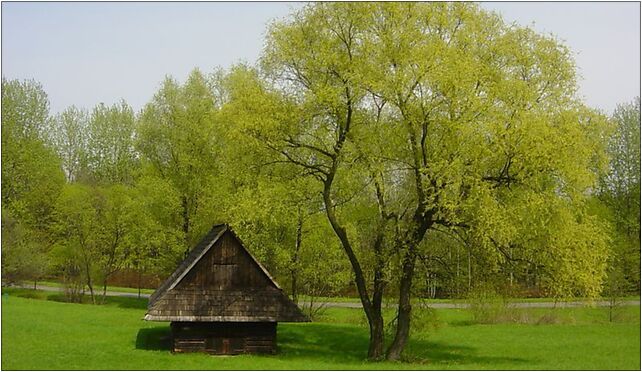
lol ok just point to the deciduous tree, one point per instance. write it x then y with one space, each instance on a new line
620 192
69 134
455 120
31 179
111 157
79 234
178 143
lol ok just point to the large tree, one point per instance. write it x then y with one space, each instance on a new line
155 236
177 141
111 158
484 120
79 234
620 191
448 119
311 135
31 179
31 175
69 134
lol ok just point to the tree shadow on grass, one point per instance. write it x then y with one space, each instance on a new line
336 342
425 352
155 338
348 344
340 343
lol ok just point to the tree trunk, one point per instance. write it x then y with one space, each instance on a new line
103 300
295 295
458 280
294 271
91 292
377 340
510 269
405 308
90 285
372 310
139 280
375 348
470 271
186 223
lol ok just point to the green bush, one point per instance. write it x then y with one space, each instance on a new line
487 306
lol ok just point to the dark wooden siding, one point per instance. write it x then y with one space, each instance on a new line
224 337
269 304
220 281
225 267
191 257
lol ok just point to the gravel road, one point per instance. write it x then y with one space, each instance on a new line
442 305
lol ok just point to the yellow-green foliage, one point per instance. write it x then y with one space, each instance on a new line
452 110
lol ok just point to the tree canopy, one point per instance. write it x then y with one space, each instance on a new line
450 119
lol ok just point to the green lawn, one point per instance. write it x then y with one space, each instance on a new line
39 334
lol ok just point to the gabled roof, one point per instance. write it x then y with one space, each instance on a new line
189 261
188 303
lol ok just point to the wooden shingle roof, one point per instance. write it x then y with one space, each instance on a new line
220 280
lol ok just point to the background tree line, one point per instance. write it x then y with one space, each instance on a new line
89 193
383 150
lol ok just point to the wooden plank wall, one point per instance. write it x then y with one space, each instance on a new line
226 338
226 266
225 284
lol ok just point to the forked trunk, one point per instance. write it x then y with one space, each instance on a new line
375 349
404 311
377 339
372 309
89 283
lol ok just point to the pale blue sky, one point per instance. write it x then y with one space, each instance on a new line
86 53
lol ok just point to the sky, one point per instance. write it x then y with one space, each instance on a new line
87 53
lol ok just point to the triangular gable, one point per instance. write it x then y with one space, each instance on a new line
200 251
263 269
222 284
197 257
194 255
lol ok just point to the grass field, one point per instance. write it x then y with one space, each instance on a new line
40 334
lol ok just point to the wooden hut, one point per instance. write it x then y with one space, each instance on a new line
220 300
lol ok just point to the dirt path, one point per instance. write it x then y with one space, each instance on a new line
356 305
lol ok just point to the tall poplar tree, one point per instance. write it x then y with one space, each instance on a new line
111 157
620 191
178 143
31 180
